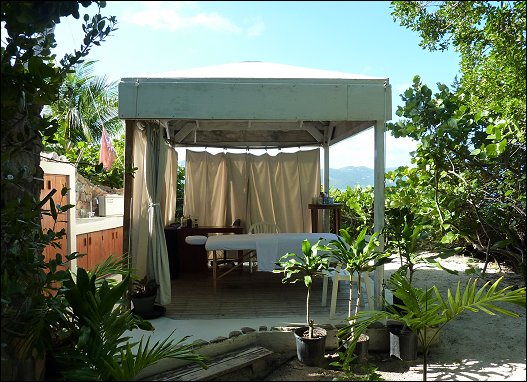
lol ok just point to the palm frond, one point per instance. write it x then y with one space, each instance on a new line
421 310
127 365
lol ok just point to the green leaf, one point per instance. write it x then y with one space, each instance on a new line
491 150
448 238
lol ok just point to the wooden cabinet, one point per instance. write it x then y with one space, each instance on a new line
98 246
184 258
82 247
117 240
55 181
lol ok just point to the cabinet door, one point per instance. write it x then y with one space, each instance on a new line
107 244
118 241
52 181
95 248
82 247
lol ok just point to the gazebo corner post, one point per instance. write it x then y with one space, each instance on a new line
378 203
128 191
325 213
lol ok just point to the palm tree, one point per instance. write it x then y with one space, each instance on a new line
86 103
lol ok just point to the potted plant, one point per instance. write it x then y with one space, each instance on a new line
425 308
143 295
310 340
406 237
359 255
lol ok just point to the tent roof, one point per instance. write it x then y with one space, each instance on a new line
256 104
258 69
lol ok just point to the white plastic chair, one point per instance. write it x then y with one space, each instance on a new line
260 227
263 227
343 275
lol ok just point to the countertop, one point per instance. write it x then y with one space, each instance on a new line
98 223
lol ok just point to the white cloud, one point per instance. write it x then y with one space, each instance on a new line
398 150
359 151
256 29
354 151
182 15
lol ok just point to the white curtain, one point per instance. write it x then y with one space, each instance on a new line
150 212
139 213
155 162
168 197
223 187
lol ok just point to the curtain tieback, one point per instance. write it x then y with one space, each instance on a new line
153 204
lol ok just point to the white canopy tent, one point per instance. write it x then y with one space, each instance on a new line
254 105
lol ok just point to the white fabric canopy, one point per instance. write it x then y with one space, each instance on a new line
226 186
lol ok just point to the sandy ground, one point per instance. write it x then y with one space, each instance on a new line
474 347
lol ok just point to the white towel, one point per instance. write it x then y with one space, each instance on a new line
266 252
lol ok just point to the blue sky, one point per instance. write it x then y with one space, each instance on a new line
355 37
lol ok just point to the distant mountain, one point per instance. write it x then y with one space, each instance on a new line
351 176
346 176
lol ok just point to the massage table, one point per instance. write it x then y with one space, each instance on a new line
269 247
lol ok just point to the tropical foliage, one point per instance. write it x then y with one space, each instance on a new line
180 193
490 38
95 346
358 207
90 168
29 281
425 308
466 184
475 191
85 104
471 156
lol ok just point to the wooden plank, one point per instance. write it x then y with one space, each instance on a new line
217 366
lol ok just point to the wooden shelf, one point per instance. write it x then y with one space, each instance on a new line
335 210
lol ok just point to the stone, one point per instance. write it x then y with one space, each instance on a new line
235 333
199 343
218 339
246 330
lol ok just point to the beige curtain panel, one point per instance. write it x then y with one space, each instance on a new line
153 207
226 186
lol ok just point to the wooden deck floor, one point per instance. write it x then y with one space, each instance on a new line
242 294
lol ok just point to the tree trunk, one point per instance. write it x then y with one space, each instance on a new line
308 321
22 179
21 171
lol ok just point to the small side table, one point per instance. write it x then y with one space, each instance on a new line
335 210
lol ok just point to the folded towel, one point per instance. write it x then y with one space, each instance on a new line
267 252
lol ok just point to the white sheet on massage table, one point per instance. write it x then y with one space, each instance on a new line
269 246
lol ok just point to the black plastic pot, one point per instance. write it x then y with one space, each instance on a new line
398 301
403 343
146 307
311 351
